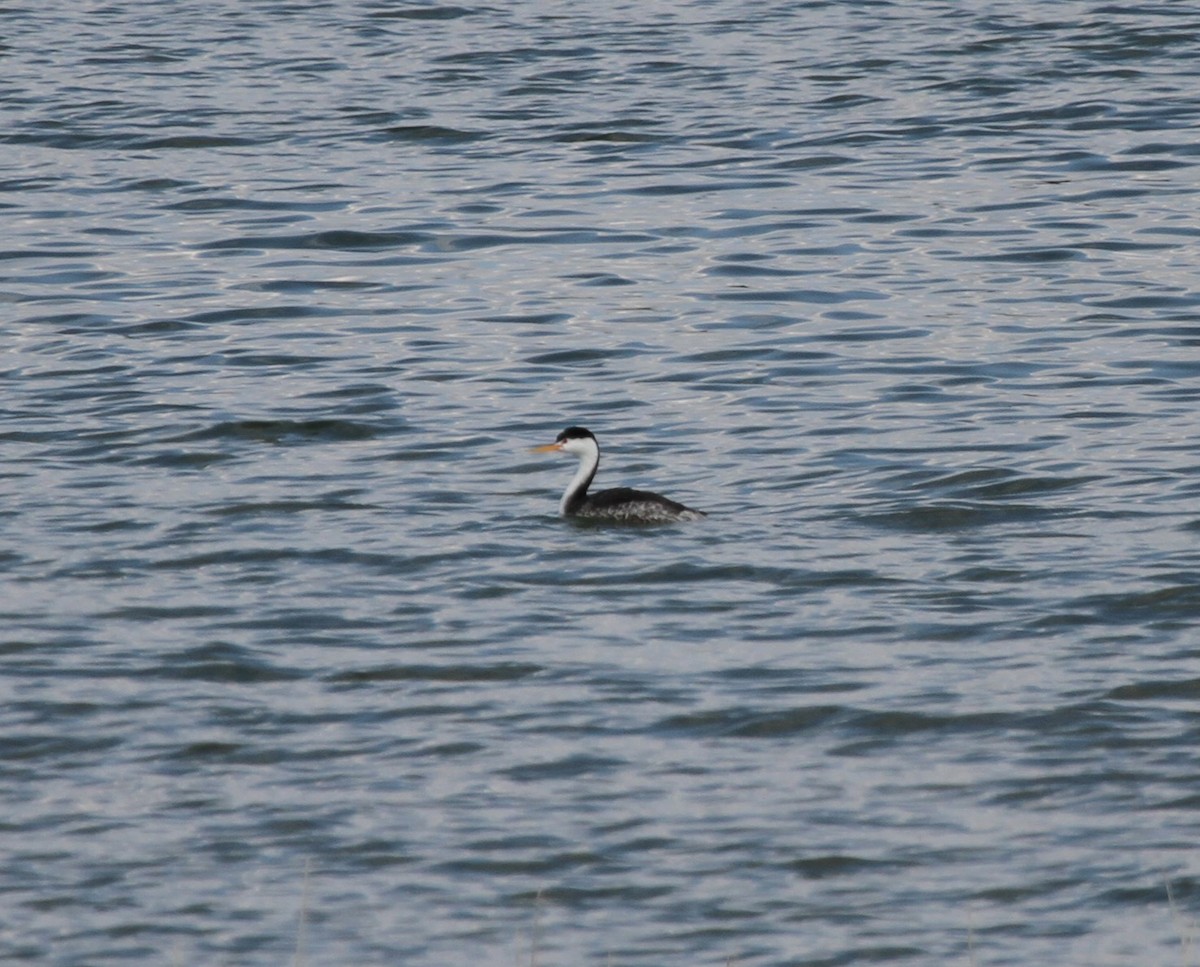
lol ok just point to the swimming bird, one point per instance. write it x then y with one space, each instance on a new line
617 504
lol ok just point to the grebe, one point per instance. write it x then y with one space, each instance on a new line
617 504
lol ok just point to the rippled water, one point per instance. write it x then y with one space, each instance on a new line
299 664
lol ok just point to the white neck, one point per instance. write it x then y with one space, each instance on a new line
589 459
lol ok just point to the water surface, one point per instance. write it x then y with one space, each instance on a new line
298 663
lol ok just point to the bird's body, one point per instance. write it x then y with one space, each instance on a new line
616 504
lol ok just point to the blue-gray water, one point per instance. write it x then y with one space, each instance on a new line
298 664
